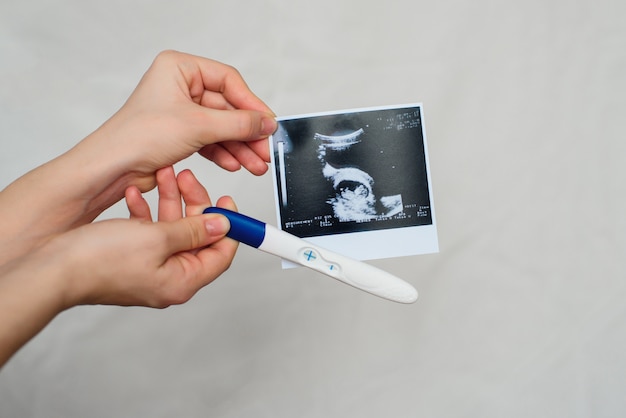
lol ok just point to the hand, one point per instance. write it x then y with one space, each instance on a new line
140 262
122 262
184 104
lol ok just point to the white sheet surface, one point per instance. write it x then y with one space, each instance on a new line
521 314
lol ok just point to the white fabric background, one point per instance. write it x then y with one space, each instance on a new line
521 314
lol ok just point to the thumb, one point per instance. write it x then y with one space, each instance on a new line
235 125
195 232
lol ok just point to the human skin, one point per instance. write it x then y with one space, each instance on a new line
183 104
127 262
52 256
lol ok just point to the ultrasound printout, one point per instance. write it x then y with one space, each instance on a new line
339 178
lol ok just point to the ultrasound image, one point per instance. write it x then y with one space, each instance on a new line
352 172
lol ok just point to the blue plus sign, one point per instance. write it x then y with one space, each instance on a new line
310 255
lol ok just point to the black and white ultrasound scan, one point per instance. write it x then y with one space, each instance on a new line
356 181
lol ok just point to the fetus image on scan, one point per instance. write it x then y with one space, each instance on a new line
354 198
351 172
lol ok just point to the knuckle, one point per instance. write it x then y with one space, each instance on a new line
166 54
227 264
195 235
172 299
172 292
231 72
247 126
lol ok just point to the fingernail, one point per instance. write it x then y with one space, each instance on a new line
268 125
217 225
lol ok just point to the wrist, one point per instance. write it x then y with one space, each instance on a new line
101 167
68 191
111 160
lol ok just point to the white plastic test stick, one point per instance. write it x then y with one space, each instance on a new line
356 273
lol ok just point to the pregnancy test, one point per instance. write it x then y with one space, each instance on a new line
356 273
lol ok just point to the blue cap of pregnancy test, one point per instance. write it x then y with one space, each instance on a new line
242 228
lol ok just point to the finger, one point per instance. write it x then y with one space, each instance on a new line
231 156
137 205
194 232
194 194
220 156
170 206
215 100
214 125
223 78
205 74
220 254
195 269
261 148
246 157
227 202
